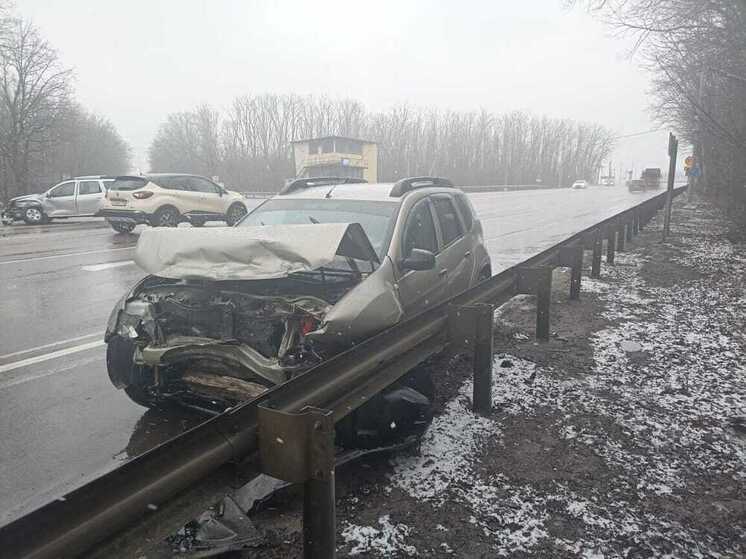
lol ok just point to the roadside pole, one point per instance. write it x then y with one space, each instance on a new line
673 150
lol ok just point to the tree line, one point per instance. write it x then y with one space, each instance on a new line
696 53
45 135
249 145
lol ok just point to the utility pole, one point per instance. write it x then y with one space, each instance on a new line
673 151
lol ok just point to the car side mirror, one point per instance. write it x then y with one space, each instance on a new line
419 259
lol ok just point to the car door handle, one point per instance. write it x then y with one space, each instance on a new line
467 254
443 272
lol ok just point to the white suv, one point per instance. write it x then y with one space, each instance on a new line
165 200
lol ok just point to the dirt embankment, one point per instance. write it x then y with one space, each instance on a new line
623 436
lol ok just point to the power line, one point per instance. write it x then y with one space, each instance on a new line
638 133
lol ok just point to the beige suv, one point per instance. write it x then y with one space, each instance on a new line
165 200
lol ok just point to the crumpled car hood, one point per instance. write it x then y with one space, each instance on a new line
34 197
249 253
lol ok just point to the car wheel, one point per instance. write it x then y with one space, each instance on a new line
34 216
235 213
124 373
122 227
166 217
140 396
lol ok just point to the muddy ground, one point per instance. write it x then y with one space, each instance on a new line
623 436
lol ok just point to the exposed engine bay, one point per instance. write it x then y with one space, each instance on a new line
229 341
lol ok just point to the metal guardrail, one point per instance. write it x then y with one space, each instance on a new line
292 425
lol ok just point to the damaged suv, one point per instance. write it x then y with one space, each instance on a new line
228 313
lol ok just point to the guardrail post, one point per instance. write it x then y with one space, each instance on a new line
471 328
636 222
598 247
299 447
620 238
630 225
610 243
572 257
538 281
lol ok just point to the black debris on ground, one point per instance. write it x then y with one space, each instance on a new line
623 436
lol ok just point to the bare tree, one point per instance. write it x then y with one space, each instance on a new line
34 95
696 53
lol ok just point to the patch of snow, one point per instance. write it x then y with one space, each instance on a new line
385 541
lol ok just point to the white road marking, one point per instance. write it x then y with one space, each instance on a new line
107 265
68 255
45 346
48 373
48 356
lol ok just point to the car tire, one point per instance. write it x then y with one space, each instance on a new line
140 396
167 216
122 227
124 373
235 213
34 216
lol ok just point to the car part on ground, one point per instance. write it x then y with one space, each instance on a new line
165 200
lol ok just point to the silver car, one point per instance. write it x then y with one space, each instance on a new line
77 197
225 314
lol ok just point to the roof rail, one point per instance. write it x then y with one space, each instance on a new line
402 186
300 184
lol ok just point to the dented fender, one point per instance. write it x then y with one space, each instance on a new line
371 306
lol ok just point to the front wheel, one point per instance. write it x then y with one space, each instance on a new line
122 227
235 213
34 216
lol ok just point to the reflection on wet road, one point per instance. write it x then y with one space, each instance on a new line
61 419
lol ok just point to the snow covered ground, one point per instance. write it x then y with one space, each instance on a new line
640 454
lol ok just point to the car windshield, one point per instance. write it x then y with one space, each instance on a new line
376 218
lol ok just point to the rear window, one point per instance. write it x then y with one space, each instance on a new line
127 183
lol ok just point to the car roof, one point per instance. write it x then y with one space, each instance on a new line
361 191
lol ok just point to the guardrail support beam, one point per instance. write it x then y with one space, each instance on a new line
620 238
572 257
299 447
471 328
630 225
610 243
598 247
537 281
636 222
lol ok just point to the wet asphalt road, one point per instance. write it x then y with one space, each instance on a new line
61 421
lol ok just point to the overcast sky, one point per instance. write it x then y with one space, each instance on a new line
138 60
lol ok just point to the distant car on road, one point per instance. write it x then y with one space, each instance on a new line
78 197
579 185
607 181
636 185
231 312
165 200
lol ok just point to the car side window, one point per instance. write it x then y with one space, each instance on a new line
172 183
450 225
89 187
202 185
419 231
466 211
65 189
